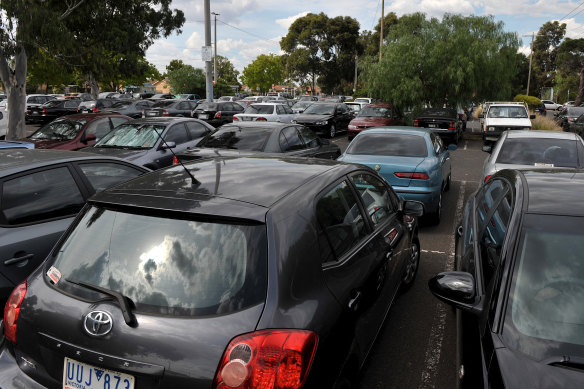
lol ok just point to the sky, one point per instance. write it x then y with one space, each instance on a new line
248 28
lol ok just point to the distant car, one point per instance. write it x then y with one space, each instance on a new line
132 108
53 109
301 105
188 96
529 149
42 191
414 161
267 112
147 141
307 98
108 95
568 103
568 116
162 96
256 99
174 107
355 107
325 118
33 101
217 113
73 132
247 138
518 282
541 109
366 100
15 144
374 115
445 122
551 105
227 98
79 95
94 106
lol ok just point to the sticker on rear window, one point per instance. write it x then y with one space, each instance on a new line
54 275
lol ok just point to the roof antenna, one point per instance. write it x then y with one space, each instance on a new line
194 181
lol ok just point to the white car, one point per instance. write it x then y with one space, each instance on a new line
266 112
366 100
3 119
550 105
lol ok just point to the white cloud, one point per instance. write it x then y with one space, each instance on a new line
287 22
195 41
574 29
432 8
227 45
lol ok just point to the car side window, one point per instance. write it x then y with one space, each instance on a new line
177 134
196 130
375 197
342 225
102 175
309 137
280 109
71 104
288 110
290 141
41 196
99 128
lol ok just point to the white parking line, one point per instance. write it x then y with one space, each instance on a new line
465 145
434 348
433 251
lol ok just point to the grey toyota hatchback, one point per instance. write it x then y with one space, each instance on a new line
253 273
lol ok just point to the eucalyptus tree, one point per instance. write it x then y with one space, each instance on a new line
263 72
571 62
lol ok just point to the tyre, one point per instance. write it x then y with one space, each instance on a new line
447 186
332 131
412 265
436 215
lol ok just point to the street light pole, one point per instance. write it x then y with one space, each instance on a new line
208 75
530 60
215 46
381 31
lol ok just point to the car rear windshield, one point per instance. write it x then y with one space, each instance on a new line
439 112
260 109
53 103
380 112
233 137
539 152
60 130
164 265
133 136
398 145
206 106
506 112
545 301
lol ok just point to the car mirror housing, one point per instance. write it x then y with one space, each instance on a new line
457 289
488 149
412 208
167 145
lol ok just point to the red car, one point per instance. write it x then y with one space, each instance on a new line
74 132
374 115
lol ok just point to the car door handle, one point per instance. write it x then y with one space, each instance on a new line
354 302
14 260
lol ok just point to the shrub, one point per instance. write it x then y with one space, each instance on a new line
477 111
531 101
545 123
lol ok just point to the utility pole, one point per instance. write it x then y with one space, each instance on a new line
381 31
530 59
215 46
206 52
355 82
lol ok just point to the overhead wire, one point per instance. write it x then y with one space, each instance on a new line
569 13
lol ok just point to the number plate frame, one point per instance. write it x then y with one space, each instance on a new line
115 379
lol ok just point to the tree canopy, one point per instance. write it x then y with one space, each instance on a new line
571 62
187 79
545 48
263 72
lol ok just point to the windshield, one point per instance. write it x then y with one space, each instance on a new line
379 112
547 152
545 301
60 130
507 112
397 145
121 104
139 136
260 109
166 266
163 104
320 109
233 137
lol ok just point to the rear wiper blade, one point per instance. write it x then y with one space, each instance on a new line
126 303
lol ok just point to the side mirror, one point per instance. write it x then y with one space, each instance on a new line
481 116
488 149
452 147
88 138
457 289
532 116
167 145
412 208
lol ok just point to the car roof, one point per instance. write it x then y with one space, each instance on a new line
163 120
541 134
244 186
421 131
91 116
266 125
555 192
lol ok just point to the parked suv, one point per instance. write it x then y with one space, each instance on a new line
502 117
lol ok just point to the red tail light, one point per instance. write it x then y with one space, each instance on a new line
261 119
486 179
452 126
235 119
95 110
218 115
416 123
77 109
44 111
175 160
165 113
269 359
12 310
415 176
143 113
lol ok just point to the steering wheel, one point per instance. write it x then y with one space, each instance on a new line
549 153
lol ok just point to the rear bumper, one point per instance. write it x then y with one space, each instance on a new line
427 196
12 377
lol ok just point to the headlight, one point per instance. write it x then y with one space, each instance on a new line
352 127
322 123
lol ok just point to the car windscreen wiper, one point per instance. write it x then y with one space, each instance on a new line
126 303
566 361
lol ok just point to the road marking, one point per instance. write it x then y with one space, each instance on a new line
434 348
433 251
465 144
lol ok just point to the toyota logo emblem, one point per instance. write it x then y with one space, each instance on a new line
98 323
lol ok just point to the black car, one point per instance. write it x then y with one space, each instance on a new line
41 192
519 282
444 122
326 118
174 107
94 106
34 101
148 141
53 109
217 113
262 137
567 116
161 96
227 273
132 108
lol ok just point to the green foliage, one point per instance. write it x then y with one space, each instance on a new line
452 61
226 72
264 71
371 39
545 48
173 65
187 79
571 62
567 87
531 101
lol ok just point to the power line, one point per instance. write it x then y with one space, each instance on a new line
375 17
569 13
249 33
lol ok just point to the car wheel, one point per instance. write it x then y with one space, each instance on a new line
412 265
435 217
447 186
332 131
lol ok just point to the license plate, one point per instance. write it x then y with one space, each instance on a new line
491 138
203 116
151 114
432 125
81 375
246 119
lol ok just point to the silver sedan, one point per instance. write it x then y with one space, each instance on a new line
534 149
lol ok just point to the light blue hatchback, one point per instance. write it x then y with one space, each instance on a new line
413 160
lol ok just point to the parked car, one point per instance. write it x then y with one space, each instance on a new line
270 112
42 191
529 149
188 96
541 109
217 113
567 117
227 98
325 118
307 98
174 107
301 105
504 116
94 106
247 138
33 101
414 161
79 95
148 141
551 105
255 99
366 100
445 122
51 110
281 279
517 284
132 108
73 132
374 115
355 107
161 96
